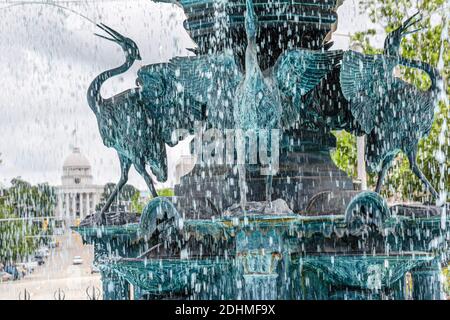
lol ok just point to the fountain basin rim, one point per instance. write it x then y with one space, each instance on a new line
404 255
132 229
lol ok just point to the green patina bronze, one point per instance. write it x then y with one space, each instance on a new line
260 66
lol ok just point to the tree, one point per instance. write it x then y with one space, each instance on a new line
166 192
16 236
433 153
31 201
20 232
345 154
137 205
127 194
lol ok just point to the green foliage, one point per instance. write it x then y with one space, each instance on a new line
166 192
17 237
127 194
446 273
424 46
19 231
31 201
131 194
136 204
345 155
404 183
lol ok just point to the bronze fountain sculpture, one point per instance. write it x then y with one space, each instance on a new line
258 68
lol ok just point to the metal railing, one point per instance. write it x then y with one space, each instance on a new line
92 293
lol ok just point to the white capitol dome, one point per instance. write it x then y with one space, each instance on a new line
76 159
76 169
77 195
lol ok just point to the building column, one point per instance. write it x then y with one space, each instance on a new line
88 201
81 206
66 204
74 205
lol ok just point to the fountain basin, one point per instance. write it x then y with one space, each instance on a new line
237 257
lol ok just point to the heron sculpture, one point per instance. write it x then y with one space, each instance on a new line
227 96
128 122
394 114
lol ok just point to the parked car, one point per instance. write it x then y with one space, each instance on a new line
39 260
94 269
28 266
43 252
22 269
77 260
53 244
12 270
5 276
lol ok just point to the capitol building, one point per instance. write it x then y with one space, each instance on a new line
77 195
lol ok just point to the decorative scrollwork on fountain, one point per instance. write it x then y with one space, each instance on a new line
160 218
366 211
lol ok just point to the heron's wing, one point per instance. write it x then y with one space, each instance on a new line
210 81
158 163
149 143
298 71
365 82
201 76
177 94
194 86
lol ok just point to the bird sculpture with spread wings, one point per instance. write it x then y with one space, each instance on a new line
214 88
132 123
228 97
393 113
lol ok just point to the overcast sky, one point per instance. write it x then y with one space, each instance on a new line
49 56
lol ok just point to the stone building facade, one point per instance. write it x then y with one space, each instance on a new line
77 195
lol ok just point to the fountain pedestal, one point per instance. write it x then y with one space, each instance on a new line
428 282
306 171
259 254
114 287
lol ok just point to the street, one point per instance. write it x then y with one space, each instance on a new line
58 278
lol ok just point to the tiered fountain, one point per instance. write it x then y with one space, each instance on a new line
281 222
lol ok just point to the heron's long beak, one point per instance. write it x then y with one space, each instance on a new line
103 37
411 21
115 36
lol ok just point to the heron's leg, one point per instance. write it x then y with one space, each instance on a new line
384 168
125 165
415 168
140 168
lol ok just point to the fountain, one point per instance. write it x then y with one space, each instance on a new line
265 213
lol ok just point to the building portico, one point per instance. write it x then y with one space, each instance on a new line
77 195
